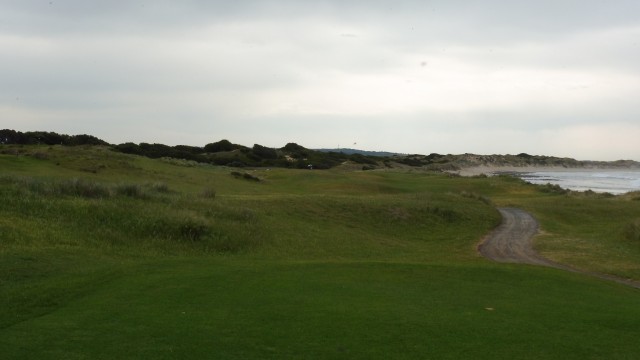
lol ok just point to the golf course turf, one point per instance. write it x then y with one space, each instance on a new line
106 255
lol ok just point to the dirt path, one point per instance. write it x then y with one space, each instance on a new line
511 242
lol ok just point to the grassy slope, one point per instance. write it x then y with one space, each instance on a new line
310 264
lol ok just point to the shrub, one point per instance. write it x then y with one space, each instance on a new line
295 151
263 152
129 148
222 145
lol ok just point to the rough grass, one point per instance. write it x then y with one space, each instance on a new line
632 231
590 232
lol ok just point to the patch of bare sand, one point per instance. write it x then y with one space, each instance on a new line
495 170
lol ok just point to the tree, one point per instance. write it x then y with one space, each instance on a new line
295 151
222 145
264 152
8 136
85 139
129 148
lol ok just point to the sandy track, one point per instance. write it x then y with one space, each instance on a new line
511 242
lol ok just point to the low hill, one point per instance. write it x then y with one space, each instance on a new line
457 162
292 155
349 151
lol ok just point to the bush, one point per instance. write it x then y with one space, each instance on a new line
264 152
222 145
129 148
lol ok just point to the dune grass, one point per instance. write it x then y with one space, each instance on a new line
107 255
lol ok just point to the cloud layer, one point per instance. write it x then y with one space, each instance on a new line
545 77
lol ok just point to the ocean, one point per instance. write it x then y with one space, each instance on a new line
598 180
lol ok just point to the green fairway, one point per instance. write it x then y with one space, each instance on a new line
236 309
111 256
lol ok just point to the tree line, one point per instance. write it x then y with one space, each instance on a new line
47 138
222 152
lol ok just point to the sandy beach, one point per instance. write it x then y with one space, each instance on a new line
599 179
493 170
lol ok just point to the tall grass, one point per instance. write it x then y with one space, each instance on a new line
83 188
141 218
632 231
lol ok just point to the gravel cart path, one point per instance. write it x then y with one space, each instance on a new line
511 242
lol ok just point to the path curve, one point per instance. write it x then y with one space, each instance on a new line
511 242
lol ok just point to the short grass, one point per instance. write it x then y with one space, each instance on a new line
199 308
106 255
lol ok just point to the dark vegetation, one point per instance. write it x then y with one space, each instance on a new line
222 152
295 156
13 137
226 153
246 176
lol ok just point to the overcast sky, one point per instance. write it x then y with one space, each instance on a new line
489 77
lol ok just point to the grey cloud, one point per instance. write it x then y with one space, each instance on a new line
470 19
220 65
